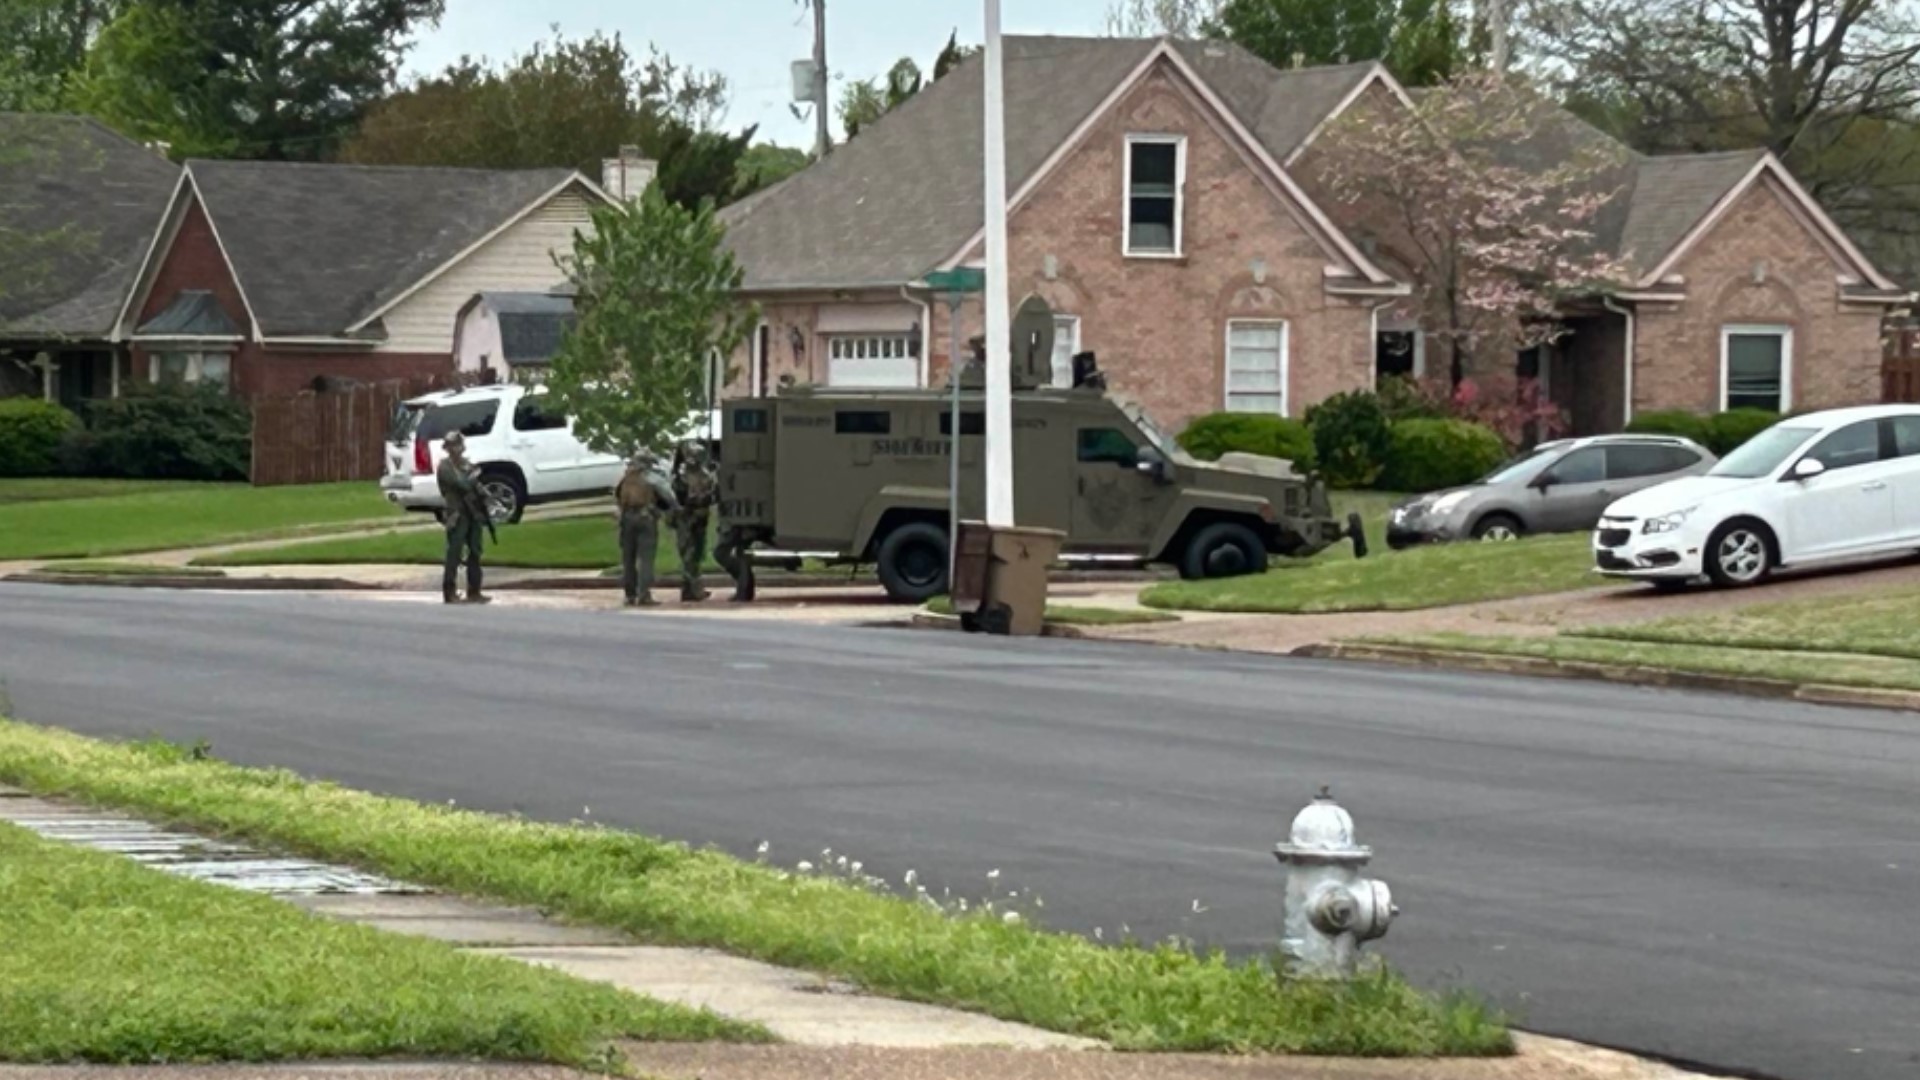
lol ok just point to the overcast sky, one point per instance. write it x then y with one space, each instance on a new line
749 41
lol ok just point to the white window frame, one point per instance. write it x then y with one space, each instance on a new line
1179 144
1226 365
1072 325
196 363
1784 333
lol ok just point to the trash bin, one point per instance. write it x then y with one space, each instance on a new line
1000 577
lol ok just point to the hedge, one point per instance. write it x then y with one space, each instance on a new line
1427 455
1351 438
169 433
1678 422
31 433
1249 433
1722 433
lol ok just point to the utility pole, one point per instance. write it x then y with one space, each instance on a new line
1496 12
999 410
822 140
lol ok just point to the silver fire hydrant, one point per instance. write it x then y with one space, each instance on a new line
1331 905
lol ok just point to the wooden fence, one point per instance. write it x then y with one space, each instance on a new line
315 438
1900 365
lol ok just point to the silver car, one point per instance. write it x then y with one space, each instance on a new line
1560 486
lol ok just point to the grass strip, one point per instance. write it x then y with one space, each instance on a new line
1142 998
14 490
1422 577
1872 624
158 517
110 962
1828 669
576 543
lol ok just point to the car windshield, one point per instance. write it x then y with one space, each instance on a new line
1763 453
1519 467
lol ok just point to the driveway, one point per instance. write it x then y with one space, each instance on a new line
1717 880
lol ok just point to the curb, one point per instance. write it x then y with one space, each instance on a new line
927 620
193 582
1627 674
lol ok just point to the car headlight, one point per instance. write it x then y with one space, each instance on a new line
1666 523
1448 503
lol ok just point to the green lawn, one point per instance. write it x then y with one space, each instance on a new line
577 543
161 516
1423 577
1160 997
1833 669
1874 624
53 488
108 961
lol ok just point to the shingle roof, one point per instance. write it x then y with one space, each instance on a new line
318 248
903 196
1670 195
79 205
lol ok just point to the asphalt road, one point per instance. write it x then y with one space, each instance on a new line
1717 880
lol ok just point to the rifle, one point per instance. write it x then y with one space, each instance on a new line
477 504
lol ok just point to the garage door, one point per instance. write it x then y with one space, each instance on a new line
873 360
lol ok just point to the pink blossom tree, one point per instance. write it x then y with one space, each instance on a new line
1491 200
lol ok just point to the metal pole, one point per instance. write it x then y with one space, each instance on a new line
954 300
822 140
999 340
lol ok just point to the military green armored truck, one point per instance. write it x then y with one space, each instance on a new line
861 476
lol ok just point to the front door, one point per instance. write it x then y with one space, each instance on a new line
1115 505
1849 508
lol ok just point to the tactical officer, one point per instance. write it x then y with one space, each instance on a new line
643 498
466 515
697 488
730 551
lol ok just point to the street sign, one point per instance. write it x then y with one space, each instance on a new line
960 279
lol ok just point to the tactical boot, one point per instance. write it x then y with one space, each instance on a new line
646 600
450 598
694 595
479 598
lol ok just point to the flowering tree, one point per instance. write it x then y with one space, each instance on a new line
1492 210
1515 409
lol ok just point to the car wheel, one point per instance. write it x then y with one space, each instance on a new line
1224 549
1498 528
506 497
1740 553
913 562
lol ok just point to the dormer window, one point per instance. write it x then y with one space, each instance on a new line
1156 175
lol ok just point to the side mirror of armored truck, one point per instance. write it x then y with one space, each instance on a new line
1152 464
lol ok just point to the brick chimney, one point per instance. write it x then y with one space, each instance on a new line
627 176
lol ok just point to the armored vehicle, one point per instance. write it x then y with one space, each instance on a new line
862 476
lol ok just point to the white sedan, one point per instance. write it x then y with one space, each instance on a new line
1826 486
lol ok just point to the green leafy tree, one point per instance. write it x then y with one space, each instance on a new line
952 56
657 296
271 79
1418 40
867 100
766 164
563 104
42 44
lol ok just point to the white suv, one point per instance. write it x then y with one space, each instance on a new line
1825 486
526 452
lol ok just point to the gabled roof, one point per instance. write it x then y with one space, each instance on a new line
321 249
193 313
78 205
1670 195
906 194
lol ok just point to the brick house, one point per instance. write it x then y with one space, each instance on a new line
1161 201
272 277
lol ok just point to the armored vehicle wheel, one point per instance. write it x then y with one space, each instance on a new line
1224 549
913 562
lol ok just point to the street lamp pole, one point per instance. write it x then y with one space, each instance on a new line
999 403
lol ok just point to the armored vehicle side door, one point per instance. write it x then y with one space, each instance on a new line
1116 506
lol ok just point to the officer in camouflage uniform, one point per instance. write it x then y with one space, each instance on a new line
466 515
643 498
697 487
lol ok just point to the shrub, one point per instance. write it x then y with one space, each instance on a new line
1351 438
1515 409
1403 397
1249 433
1428 455
31 432
1728 430
1678 422
170 433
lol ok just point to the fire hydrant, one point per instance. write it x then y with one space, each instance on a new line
1331 905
